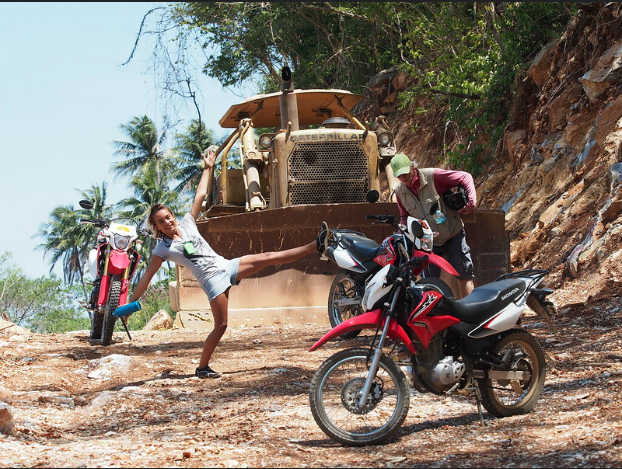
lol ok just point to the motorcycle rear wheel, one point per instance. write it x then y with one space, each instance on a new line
503 396
111 305
344 289
436 284
334 392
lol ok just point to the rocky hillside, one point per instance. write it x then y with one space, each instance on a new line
557 171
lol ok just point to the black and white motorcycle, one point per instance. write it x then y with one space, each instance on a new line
360 258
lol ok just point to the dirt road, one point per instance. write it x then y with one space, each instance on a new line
137 403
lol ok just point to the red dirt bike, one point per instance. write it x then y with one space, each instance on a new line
360 258
112 264
360 396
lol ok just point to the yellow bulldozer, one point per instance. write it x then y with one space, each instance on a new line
315 162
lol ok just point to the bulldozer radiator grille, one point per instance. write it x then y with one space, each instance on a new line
326 173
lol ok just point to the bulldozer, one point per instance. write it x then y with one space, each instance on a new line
313 161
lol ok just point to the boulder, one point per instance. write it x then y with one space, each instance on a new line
606 73
160 320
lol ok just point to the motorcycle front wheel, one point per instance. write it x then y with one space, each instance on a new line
111 305
514 384
436 284
344 301
335 393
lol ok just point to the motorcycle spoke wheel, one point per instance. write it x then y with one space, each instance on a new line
344 301
514 387
335 394
111 305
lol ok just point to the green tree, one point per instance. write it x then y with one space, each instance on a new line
68 240
189 146
42 305
144 151
327 44
464 58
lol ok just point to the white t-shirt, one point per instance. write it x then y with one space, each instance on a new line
204 263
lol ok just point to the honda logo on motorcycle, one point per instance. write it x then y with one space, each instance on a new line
507 295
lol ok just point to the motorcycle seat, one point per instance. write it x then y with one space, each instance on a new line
363 248
485 300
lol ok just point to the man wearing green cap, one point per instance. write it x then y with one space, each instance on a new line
419 195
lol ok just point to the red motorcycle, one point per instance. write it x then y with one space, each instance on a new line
360 396
360 258
112 264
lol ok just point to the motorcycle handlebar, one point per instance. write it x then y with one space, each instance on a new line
417 262
104 223
390 219
142 232
96 222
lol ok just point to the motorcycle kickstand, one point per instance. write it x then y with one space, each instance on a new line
478 398
123 320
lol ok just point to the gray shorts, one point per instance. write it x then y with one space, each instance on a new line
458 253
223 280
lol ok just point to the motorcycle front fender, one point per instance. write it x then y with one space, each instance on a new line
118 262
437 261
369 320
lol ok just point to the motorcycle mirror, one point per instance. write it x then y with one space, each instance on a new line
86 204
416 229
372 196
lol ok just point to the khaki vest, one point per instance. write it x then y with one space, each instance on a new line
420 207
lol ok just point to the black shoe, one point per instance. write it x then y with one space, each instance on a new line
206 372
322 238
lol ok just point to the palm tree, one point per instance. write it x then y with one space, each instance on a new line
97 196
144 149
189 148
69 240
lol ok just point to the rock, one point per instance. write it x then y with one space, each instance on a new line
605 74
6 419
515 140
59 400
160 320
9 327
539 69
5 396
105 366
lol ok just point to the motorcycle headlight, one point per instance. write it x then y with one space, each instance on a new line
121 242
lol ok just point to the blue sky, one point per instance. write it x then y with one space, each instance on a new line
63 97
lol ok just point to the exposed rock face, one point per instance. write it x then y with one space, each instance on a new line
558 168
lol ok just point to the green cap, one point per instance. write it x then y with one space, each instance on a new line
400 164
